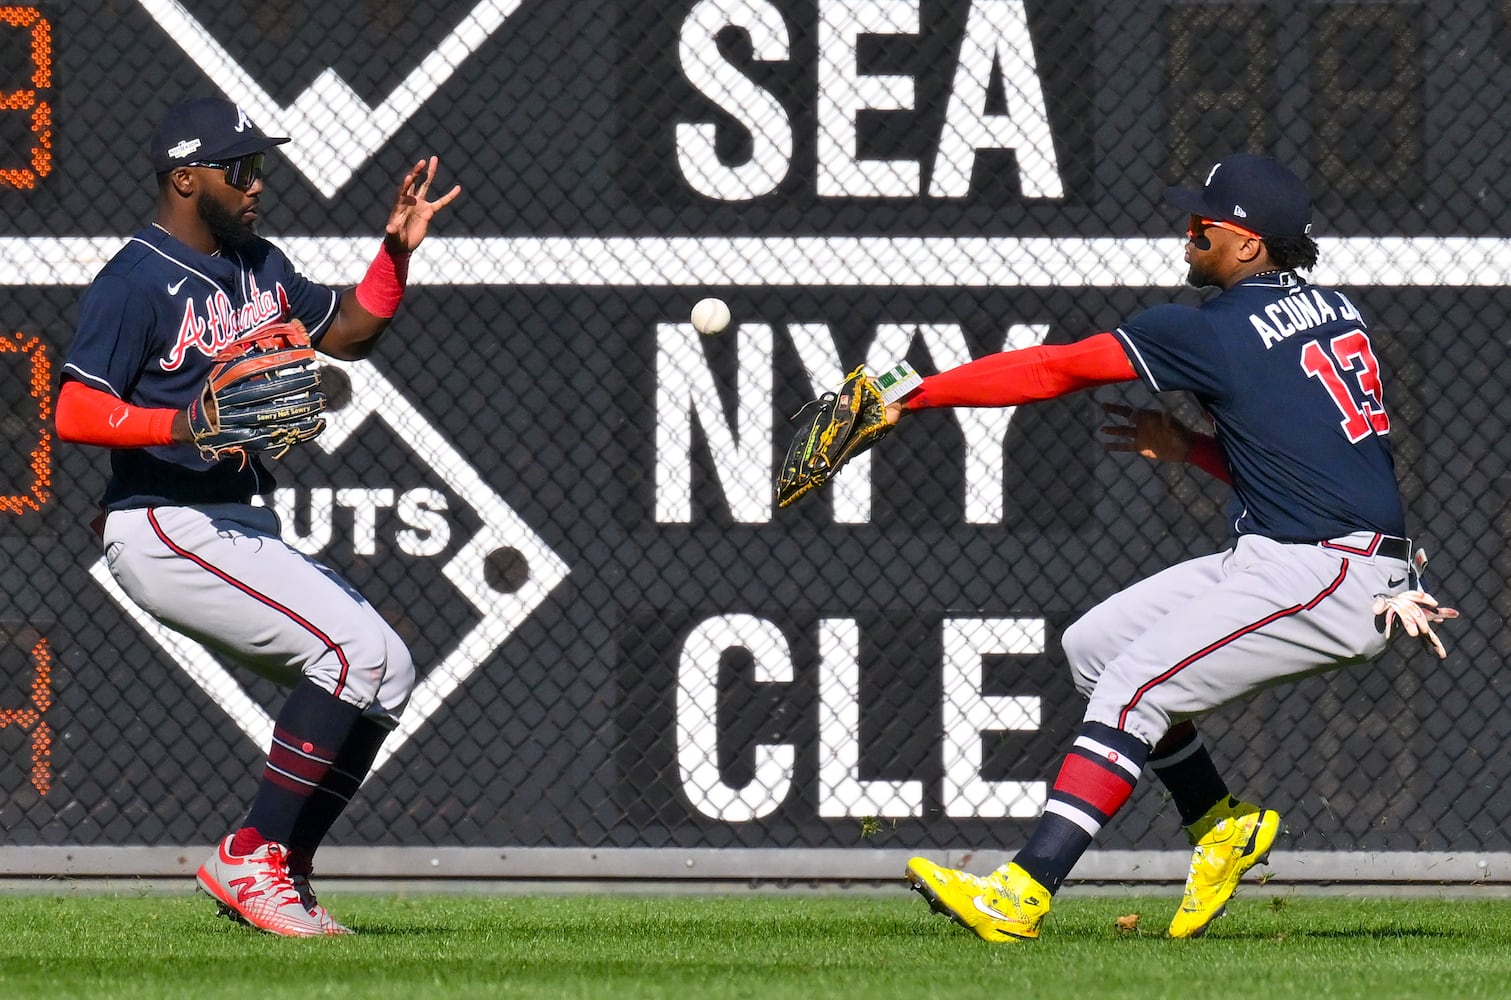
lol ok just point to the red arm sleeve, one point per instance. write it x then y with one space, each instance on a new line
91 416
1034 373
1207 457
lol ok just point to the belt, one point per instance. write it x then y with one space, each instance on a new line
1386 546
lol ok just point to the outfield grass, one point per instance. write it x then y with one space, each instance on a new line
871 946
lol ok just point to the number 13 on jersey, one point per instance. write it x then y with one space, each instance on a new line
1350 353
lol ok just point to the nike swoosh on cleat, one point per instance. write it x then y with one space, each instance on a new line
173 288
987 908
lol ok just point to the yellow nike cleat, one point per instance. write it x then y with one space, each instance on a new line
1230 839
1007 905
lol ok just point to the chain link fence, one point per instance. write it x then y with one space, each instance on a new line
559 493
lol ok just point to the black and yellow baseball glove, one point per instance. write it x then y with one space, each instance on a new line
837 426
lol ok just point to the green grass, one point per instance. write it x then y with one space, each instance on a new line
754 945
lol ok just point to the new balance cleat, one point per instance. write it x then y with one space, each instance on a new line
257 890
314 909
1230 839
1007 905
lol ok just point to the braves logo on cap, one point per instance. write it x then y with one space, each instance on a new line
208 128
1270 199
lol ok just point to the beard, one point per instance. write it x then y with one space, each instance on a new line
224 225
1199 277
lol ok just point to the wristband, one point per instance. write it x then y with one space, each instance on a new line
382 288
897 381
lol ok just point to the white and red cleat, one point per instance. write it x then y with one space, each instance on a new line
257 890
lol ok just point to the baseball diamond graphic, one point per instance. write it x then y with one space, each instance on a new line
334 131
372 394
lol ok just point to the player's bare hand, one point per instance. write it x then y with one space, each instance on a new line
894 413
413 209
1417 612
1150 433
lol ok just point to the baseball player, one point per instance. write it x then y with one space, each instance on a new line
181 535
1319 572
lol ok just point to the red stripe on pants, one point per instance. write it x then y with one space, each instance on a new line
1231 637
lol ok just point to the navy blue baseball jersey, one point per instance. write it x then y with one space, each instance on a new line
148 327
1289 376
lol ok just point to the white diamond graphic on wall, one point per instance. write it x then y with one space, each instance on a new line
500 614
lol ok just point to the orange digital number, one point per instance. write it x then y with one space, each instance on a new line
41 455
30 719
28 99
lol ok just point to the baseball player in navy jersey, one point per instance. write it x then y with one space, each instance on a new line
181 534
1320 569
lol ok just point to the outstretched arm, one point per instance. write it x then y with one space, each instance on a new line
365 310
1025 376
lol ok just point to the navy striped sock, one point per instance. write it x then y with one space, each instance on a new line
322 809
1098 776
311 728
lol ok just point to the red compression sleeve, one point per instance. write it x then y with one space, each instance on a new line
91 416
1034 373
1207 457
382 288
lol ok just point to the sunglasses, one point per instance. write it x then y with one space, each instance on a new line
1200 225
241 173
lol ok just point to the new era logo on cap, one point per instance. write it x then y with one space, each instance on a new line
206 129
1260 190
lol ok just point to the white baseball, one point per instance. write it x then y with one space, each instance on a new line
710 316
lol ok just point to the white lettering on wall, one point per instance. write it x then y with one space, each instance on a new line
686 391
996 40
996 34
757 110
843 92
841 792
968 713
697 715
422 512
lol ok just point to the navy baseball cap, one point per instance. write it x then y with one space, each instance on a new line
207 129
1256 192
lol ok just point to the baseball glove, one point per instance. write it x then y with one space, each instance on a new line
837 426
262 395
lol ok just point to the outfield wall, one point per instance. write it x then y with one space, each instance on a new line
559 493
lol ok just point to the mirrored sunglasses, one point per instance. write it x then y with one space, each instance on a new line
241 173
